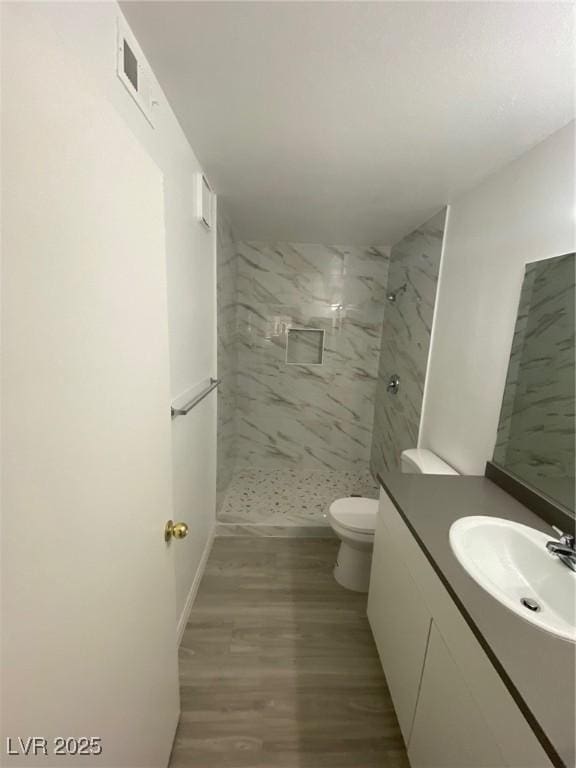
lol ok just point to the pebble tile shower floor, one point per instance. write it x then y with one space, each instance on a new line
278 668
290 496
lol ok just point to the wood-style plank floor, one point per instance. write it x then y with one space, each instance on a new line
278 668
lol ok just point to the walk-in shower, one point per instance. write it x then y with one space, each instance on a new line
309 336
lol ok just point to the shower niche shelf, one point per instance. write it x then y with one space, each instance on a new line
305 346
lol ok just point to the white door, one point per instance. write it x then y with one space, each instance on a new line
88 615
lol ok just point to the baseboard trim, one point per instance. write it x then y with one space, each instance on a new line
184 616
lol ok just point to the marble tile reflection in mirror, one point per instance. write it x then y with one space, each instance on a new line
535 440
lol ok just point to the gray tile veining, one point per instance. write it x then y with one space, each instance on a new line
295 437
413 274
537 421
278 668
227 356
301 434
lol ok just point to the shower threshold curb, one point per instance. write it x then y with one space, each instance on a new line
277 531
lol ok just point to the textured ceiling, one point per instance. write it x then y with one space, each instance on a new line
353 121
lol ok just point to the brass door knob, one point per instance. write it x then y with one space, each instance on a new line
175 530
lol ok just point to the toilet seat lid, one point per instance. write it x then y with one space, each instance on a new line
355 513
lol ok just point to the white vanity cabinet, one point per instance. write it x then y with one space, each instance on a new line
449 729
453 708
400 623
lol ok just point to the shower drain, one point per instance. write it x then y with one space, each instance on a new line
532 605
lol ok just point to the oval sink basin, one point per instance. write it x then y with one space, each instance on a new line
511 562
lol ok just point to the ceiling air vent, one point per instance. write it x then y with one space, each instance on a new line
133 70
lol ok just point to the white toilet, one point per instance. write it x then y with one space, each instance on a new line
353 519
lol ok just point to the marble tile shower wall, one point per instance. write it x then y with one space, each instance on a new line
304 432
413 277
227 351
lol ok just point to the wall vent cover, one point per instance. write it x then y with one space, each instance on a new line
204 201
133 71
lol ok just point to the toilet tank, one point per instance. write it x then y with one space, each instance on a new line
419 461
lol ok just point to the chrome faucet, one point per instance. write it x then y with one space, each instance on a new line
564 549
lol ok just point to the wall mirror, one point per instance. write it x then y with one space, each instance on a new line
535 441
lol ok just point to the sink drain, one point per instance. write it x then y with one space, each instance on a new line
532 605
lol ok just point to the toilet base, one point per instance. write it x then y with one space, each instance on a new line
352 569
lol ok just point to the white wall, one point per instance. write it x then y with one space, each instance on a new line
525 212
89 32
